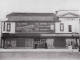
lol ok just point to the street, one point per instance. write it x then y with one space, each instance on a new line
39 56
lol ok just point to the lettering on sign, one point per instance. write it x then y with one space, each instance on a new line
34 27
56 34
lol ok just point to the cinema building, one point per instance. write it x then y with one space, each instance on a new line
40 30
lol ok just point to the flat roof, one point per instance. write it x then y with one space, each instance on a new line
30 14
29 17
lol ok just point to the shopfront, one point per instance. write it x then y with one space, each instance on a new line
62 40
40 41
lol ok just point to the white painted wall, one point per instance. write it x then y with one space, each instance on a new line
74 23
12 27
0 33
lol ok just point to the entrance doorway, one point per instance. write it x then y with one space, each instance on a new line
73 42
40 43
60 43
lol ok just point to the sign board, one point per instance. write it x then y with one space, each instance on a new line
59 35
33 26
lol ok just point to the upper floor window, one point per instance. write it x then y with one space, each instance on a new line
8 26
4 26
61 27
70 28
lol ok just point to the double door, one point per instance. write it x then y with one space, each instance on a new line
40 43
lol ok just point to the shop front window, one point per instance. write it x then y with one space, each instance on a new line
73 42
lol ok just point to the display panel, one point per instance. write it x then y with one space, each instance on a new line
34 27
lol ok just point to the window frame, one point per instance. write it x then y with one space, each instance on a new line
61 26
69 28
3 26
8 26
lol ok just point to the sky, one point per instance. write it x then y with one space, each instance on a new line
37 6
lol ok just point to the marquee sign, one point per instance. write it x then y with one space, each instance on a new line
34 27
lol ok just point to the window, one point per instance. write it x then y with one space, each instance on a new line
4 26
8 26
70 28
61 27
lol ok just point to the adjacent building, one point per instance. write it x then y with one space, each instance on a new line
70 24
41 30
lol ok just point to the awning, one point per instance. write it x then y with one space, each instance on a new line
38 35
20 35
61 35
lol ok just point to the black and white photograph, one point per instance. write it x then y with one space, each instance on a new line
39 29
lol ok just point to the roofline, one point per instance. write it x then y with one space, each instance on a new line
67 17
68 10
33 12
31 21
29 13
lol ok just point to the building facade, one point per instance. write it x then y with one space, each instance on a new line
40 30
70 22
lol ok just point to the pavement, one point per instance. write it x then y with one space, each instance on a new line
39 54
37 50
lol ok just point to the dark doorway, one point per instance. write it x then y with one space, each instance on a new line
59 43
